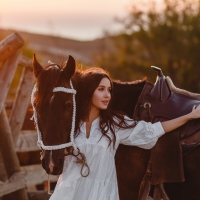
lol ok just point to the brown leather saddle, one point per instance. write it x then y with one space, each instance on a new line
160 102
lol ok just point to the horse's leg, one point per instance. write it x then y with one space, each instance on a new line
159 193
145 187
190 188
131 164
163 192
145 184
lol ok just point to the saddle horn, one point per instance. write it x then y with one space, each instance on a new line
160 92
158 70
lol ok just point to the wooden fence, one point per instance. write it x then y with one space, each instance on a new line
15 179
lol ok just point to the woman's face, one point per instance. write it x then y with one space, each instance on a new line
102 95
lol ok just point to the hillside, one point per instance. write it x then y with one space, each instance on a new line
56 48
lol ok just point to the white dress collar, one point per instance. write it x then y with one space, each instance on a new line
95 124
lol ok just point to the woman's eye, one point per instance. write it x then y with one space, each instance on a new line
100 89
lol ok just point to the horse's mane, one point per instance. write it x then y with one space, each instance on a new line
126 87
118 82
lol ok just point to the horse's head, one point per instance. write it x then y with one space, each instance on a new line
53 100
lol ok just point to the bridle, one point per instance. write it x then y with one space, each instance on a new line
61 146
81 160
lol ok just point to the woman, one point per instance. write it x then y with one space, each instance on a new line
99 131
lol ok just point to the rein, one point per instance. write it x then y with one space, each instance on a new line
81 160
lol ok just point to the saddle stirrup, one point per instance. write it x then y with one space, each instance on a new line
159 191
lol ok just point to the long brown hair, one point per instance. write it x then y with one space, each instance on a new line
90 80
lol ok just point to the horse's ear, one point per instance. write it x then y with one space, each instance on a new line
37 68
69 68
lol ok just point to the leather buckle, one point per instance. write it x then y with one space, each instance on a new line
147 105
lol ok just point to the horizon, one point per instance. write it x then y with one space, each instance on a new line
79 20
57 18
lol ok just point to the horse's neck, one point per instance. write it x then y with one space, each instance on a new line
125 96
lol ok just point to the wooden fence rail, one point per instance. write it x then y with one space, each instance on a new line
15 179
15 182
27 141
6 75
21 102
8 153
10 45
29 176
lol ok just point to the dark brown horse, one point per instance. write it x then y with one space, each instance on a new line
131 162
160 102
54 111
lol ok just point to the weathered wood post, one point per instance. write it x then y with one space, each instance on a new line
22 99
10 159
6 75
10 56
9 51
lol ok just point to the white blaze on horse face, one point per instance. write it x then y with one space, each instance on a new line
51 164
52 99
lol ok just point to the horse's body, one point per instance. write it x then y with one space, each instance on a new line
131 162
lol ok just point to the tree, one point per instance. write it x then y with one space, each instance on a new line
168 38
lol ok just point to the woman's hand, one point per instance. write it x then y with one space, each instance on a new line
177 122
195 112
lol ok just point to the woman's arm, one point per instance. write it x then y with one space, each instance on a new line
177 122
146 134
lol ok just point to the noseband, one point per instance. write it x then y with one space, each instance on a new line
61 146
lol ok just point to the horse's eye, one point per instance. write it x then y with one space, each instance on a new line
68 105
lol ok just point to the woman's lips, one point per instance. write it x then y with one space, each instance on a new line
105 102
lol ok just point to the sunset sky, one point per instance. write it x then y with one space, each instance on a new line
76 19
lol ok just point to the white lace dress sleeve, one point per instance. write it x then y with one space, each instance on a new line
144 134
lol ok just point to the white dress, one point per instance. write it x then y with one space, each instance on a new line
101 183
